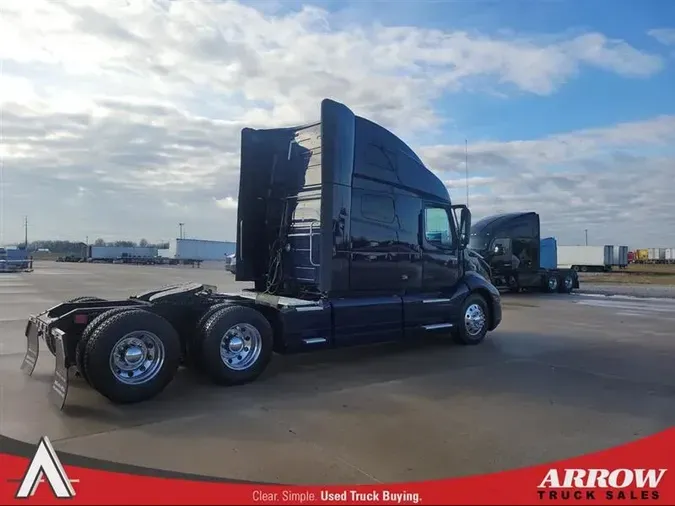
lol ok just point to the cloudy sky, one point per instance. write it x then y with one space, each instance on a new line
121 119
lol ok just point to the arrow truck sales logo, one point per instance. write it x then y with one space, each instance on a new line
601 484
46 466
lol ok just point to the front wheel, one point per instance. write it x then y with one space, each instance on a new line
237 344
473 325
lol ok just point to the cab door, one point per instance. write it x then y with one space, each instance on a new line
440 259
432 306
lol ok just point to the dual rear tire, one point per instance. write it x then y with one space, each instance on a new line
235 345
131 354
554 283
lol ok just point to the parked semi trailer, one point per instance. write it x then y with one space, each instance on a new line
348 239
584 258
519 259
616 256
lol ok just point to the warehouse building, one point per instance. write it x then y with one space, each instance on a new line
198 249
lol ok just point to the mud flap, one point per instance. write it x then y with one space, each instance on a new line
59 391
32 347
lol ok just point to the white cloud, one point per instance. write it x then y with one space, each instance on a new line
614 181
665 36
226 203
121 119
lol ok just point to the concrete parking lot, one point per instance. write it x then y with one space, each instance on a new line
563 375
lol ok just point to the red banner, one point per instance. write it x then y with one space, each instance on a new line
635 473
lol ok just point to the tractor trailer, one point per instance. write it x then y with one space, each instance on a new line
347 238
518 258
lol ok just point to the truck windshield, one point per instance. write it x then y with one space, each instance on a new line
481 233
478 242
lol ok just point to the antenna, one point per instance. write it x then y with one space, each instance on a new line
466 167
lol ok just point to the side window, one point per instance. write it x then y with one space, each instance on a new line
378 208
437 228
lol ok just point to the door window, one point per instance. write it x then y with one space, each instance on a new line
437 228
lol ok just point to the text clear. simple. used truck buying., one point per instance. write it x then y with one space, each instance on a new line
349 240
518 258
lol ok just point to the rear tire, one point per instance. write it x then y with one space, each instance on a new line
194 342
237 345
551 283
132 356
566 284
81 345
474 321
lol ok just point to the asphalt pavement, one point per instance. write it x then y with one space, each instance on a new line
562 376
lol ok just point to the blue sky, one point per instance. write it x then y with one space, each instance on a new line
567 107
593 98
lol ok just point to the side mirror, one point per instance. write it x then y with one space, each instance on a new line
498 249
465 226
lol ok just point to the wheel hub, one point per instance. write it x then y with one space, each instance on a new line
235 344
137 358
133 355
240 347
474 319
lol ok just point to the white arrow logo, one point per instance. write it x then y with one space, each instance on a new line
46 464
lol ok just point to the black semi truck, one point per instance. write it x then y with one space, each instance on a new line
517 256
348 239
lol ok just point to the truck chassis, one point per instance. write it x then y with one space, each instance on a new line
129 350
539 280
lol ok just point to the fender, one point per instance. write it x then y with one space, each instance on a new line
478 284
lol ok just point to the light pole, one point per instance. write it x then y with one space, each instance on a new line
586 230
180 230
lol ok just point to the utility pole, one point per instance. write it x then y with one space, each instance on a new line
466 169
586 230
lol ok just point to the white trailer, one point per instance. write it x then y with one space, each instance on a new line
583 258
198 250
103 253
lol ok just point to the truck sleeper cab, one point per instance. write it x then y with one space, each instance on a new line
519 259
348 239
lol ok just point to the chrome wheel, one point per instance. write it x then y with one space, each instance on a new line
240 347
474 319
137 357
552 284
569 283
